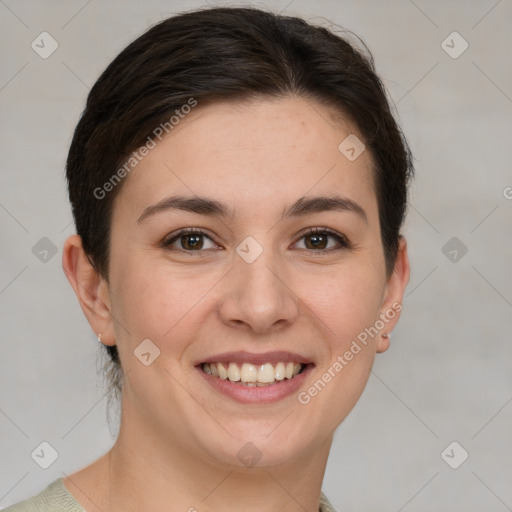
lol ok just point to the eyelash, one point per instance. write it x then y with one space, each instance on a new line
343 242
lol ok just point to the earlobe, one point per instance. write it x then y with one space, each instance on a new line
89 287
383 342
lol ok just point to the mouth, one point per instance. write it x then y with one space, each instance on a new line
254 375
255 378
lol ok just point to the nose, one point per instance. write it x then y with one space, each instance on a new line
259 296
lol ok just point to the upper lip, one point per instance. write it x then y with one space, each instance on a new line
256 359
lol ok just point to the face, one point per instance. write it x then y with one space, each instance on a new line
251 285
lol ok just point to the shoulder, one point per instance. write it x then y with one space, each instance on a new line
54 498
325 504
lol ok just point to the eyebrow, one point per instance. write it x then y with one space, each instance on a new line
212 207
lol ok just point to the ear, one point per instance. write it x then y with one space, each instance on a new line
90 288
393 294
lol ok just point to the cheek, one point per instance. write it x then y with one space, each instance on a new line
346 300
157 302
348 306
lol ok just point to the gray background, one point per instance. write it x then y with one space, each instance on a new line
447 376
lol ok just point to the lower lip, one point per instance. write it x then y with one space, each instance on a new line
257 394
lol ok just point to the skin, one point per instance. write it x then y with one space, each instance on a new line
179 438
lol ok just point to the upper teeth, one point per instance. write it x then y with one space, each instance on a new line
251 373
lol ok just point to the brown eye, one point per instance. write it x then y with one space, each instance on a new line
317 240
188 241
192 241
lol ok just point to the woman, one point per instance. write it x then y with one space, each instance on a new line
238 186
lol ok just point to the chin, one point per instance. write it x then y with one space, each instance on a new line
268 446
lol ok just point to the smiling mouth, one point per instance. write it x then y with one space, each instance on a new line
252 375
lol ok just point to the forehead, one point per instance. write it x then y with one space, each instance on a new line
252 155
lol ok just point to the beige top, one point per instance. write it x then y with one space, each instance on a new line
57 498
